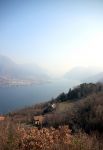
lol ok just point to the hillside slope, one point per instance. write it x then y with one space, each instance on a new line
83 112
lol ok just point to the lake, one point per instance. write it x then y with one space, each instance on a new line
12 98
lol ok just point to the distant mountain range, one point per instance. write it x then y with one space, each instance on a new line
17 74
96 78
12 73
84 74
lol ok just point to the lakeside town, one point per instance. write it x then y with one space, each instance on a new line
18 82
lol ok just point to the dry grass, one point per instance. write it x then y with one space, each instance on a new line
83 141
21 137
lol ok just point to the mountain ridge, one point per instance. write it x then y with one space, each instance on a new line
84 74
10 71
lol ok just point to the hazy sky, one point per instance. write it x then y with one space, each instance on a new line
56 34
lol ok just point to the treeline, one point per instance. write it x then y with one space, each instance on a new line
81 91
85 114
85 109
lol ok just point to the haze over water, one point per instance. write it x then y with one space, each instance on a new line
56 35
49 38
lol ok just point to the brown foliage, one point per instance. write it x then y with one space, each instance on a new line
45 138
21 137
83 141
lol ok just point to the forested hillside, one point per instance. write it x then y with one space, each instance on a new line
81 91
71 121
80 108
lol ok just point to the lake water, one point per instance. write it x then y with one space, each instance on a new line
12 98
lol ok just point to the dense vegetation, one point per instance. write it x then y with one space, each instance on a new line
21 137
81 91
81 109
